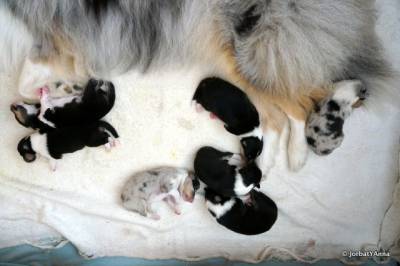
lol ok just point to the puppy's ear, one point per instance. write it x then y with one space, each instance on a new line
29 157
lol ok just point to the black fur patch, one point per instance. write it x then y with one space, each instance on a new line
333 106
311 141
248 20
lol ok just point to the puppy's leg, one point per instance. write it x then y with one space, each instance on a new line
266 160
45 104
171 201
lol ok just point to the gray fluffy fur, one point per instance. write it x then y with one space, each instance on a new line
289 44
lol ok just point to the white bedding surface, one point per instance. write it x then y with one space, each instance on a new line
337 202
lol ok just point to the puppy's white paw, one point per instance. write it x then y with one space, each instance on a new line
297 148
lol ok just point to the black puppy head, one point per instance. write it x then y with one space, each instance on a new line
25 150
100 90
252 147
251 174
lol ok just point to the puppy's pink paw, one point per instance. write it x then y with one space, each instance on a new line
177 211
43 91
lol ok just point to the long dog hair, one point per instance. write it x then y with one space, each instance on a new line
284 53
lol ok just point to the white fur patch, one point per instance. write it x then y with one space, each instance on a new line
39 145
298 149
256 132
347 91
240 188
220 209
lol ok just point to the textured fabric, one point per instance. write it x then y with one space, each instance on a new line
334 203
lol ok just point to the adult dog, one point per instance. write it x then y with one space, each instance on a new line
284 53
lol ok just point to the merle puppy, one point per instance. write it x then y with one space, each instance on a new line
240 217
94 103
167 184
225 172
324 129
56 142
233 107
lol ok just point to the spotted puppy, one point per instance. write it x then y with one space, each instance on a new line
56 142
233 107
240 217
225 172
324 129
160 184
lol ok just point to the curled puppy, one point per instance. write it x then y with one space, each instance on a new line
233 107
163 183
225 172
324 129
54 143
96 101
242 218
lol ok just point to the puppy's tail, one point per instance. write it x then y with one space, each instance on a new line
109 128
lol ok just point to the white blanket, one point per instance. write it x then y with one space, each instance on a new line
334 203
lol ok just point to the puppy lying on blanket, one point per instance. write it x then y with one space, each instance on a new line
225 172
324 129
163 183
54 143
233 107
240 217
95 102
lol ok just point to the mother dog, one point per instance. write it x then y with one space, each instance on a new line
284 53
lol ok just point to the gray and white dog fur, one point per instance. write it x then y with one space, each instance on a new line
282 48
167 184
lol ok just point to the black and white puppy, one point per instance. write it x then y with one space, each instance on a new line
96 101
324 129
56 142
240 217
225 172
233 107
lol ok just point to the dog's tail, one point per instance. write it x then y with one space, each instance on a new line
109 128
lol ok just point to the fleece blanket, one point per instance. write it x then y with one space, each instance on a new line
345 201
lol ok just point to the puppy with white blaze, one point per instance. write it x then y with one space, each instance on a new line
54 143
324 130
167 184
228 103
96 100
241 217
283 53
226 172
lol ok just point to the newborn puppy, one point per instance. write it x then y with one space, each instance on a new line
54 143
234 214
324 129
235 110
96 101
225 173
163 183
